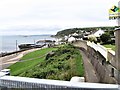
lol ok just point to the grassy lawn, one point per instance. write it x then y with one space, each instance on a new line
20 67
37 53
110 46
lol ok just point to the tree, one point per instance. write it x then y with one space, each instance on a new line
105 38
92 38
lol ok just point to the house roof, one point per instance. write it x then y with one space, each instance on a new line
99 33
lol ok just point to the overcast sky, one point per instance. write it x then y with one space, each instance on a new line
49 16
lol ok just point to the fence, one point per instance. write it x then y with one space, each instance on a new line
99 48
44 84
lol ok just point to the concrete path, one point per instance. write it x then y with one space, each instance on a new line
90 73
11 59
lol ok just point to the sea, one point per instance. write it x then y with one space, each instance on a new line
9 43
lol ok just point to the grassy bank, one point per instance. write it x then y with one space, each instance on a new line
31 59
37 53
61 64
110 46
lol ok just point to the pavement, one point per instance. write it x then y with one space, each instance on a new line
90 73
11 59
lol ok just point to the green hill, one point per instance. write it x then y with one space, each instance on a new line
62 64
66 32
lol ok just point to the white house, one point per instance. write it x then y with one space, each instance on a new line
74 34
98 33
71 39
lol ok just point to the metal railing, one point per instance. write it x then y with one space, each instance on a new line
44 84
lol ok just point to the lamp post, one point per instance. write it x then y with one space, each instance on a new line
34 42
16 45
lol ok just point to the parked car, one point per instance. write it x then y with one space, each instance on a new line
6 71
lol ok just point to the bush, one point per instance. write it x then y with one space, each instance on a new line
92 38
105 38
51 54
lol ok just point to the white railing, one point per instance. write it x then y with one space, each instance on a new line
99 48
23 82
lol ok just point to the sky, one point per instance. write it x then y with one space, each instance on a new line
29 17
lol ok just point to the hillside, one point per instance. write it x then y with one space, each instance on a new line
61 64
29 60
66 32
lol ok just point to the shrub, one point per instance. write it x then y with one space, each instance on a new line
51 54
105 38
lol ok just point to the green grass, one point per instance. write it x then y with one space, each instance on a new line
110 46
65 63
79 64
20 67
37 53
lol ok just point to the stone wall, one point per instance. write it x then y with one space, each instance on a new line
81 44
105 67
111 59
101 66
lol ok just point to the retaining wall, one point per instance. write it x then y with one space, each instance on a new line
103 60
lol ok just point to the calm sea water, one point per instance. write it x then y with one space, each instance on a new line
8 43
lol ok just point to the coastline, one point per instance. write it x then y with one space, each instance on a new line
21 50
8 60
9 42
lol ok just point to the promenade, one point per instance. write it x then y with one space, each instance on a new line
11 59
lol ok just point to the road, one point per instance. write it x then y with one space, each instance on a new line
90 73
11 59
